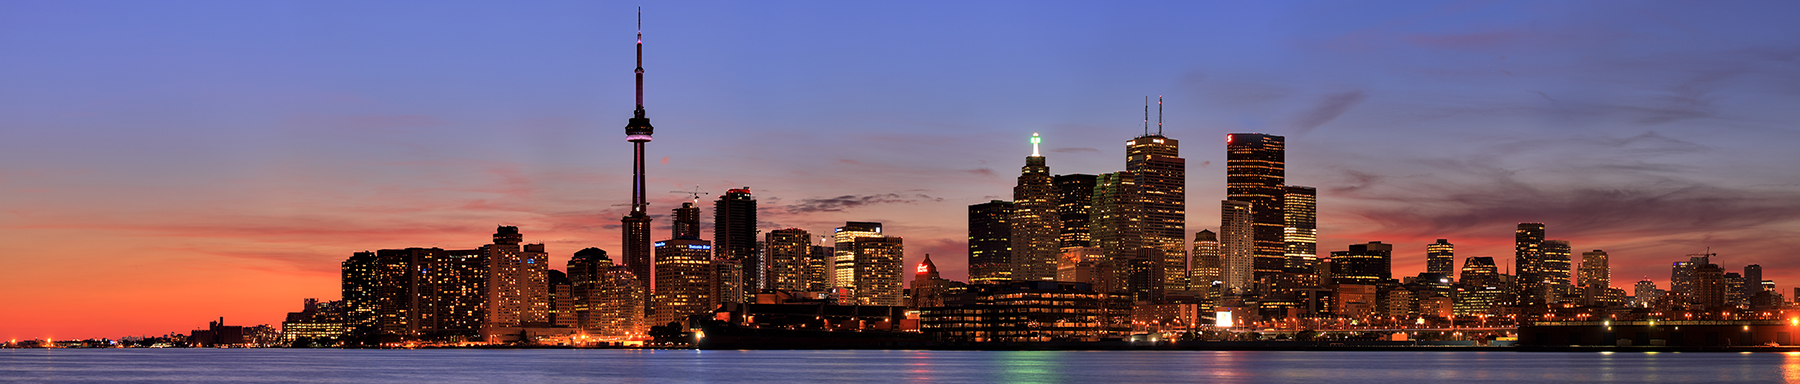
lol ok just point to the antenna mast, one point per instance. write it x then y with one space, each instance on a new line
1146 115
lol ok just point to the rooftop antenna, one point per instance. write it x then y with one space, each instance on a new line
1146 115
1159 115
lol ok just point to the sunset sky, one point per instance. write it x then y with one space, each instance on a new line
166 163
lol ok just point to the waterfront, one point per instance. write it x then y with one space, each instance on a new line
605 366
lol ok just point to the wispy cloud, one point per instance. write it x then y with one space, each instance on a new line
845 202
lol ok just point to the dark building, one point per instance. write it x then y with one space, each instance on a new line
1075 197
1753 276
359 293
1117 226
1022 311
217 334
1255 172
1528 263
1365 264
1709 286
1440 258
734 239
636 225
1480 271
990 242
562 300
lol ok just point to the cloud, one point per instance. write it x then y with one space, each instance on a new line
1329 107
983 172
841 203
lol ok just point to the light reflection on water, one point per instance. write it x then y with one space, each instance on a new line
597 366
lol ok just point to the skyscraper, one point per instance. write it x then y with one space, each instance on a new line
734 239
990 242
788 251
687 222
1528 263
1440 258
686 279
1753 275
1117 225
1255 170
1709 286
359 293
1557 272
518 291
1237 246
1160 175
1075 198
843 261
1206 266
1035 225
818 268
607 297
1301 233
1366 264
1594 270
869 264
636 225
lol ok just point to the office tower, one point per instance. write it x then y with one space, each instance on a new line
1255 168
1709 286
875 271
1594 270
686 279
1480 271
1075 199
927 287
1735 293
1644 294
1144 275
1237 246
818 268
1681 276
1117 226
1528 263
1160 175
1301 233
1366 264
1207 265
734 240
1753 274
518 294
1440 258
990 242
1557 272
636 225
562 299
844 259
788 251
1036 227
359 293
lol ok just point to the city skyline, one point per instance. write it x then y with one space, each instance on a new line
413 172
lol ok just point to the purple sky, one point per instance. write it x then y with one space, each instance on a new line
164 163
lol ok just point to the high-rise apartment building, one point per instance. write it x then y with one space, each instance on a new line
1594 270
1301 234
518 293
1528 263
1036 227
788 251
359 292
1255 170
606 296
1440 258
1075 198
990 242
1207 266
1366 264
1237 246
734 240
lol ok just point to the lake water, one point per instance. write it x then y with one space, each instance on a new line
659 366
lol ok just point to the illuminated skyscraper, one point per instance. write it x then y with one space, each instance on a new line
1255 169
607 297
1440 258
818 268
1528 263
1594 270
1035 225
686 279
1366 264
359 293
518 291
1557 272
1206 266
1237 247
734 240
687 222
1301 235
990 242
1161 176
1075 198
788 251
636 225
1480 271
869 264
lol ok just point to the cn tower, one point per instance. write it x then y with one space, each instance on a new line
637 223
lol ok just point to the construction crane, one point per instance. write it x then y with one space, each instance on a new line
695 193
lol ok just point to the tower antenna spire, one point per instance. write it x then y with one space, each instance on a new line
1034 144
1159 115
1146 115
640 62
